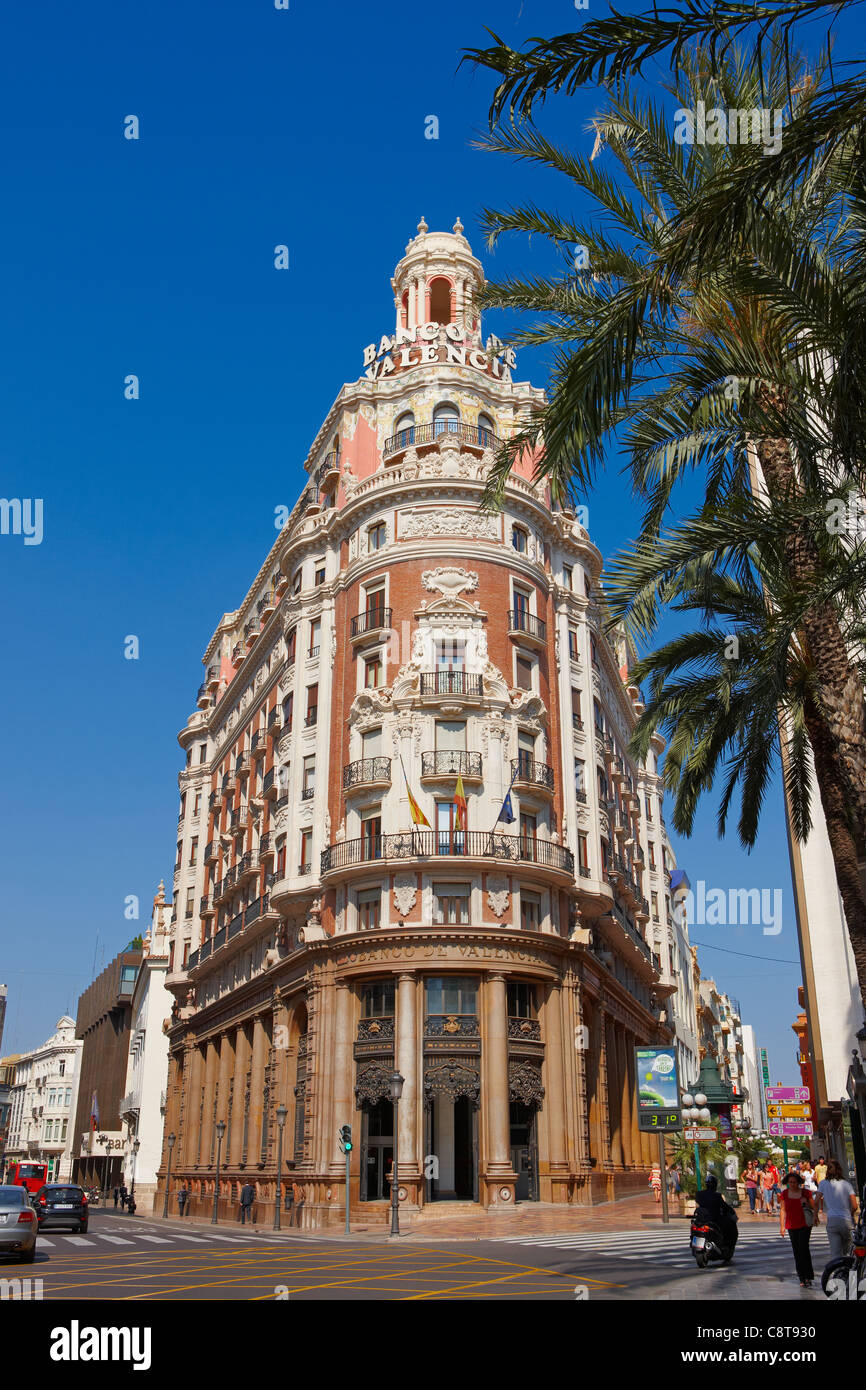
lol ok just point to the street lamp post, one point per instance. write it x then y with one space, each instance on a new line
282 1112
135 1148
220 1129
396 1092
171 1141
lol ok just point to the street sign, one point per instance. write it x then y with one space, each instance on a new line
789 1127
697 1135
789 1112
658 1096
787 1093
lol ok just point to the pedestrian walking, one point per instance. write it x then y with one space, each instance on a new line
248 1196
655 1182
116 1197
838 1199
820 1169
750 1182
770 1187
182 1199
123 1196
797 1216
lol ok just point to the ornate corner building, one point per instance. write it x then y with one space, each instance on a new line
400 652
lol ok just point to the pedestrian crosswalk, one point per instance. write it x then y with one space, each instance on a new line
131 1235
755 1246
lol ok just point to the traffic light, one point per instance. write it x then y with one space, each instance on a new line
346 1138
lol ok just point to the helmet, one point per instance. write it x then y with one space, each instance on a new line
712 1183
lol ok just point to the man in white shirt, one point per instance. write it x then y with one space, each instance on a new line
837 1197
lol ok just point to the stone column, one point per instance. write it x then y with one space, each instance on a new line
193 1135
500 1178
211 1069
225 1074
554 1096
257 1082
234 1155
614 1093
628 1150
407 1063
343 1106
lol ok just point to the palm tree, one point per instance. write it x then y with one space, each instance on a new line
745 680
698 360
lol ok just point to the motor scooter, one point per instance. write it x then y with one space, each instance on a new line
708 1240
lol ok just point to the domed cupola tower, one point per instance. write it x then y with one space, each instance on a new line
437 281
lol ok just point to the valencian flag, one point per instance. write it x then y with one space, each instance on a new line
94 1113
415 811
460 802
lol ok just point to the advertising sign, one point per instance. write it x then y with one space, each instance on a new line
701 1135
658 1092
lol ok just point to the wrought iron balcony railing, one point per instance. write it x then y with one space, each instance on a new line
366 770
526 769
417 435
450 683
430 844
372 620
521 621
446 763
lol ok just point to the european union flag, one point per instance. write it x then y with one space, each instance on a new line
506 814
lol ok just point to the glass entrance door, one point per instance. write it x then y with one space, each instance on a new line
524 1154
377 1152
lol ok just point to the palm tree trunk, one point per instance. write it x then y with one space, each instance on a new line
838 684
842 846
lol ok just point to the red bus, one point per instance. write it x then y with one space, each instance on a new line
29 1175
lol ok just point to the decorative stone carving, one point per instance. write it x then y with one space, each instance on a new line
405 893
450 582
524 1081
475 525
497 894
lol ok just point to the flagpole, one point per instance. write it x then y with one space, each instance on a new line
502 803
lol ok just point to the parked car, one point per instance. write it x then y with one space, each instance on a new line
61 1204
18 1223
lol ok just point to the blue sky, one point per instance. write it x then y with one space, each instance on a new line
155 257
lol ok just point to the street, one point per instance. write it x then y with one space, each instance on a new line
123 1258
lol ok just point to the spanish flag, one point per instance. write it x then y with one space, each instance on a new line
418 816
460 802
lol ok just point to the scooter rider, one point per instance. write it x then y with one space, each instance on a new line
710 1200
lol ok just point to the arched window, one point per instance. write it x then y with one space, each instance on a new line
486 431
405 430
405 309
446 419
440 301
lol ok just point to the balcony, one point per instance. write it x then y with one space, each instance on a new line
238 654
229 784
251 631
258 744
429 844
328 472
269 785
312 717
450 764
248 865
459 683
241 818
525 771
214 800
210 850
242 763
202 699
307 793
374 620
282 801
213 676
266 604
526 625
577 723
206 907
275 719
367 772
417 436
581 796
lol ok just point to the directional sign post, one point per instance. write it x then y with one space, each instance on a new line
784 1128
787 1093
789 1112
